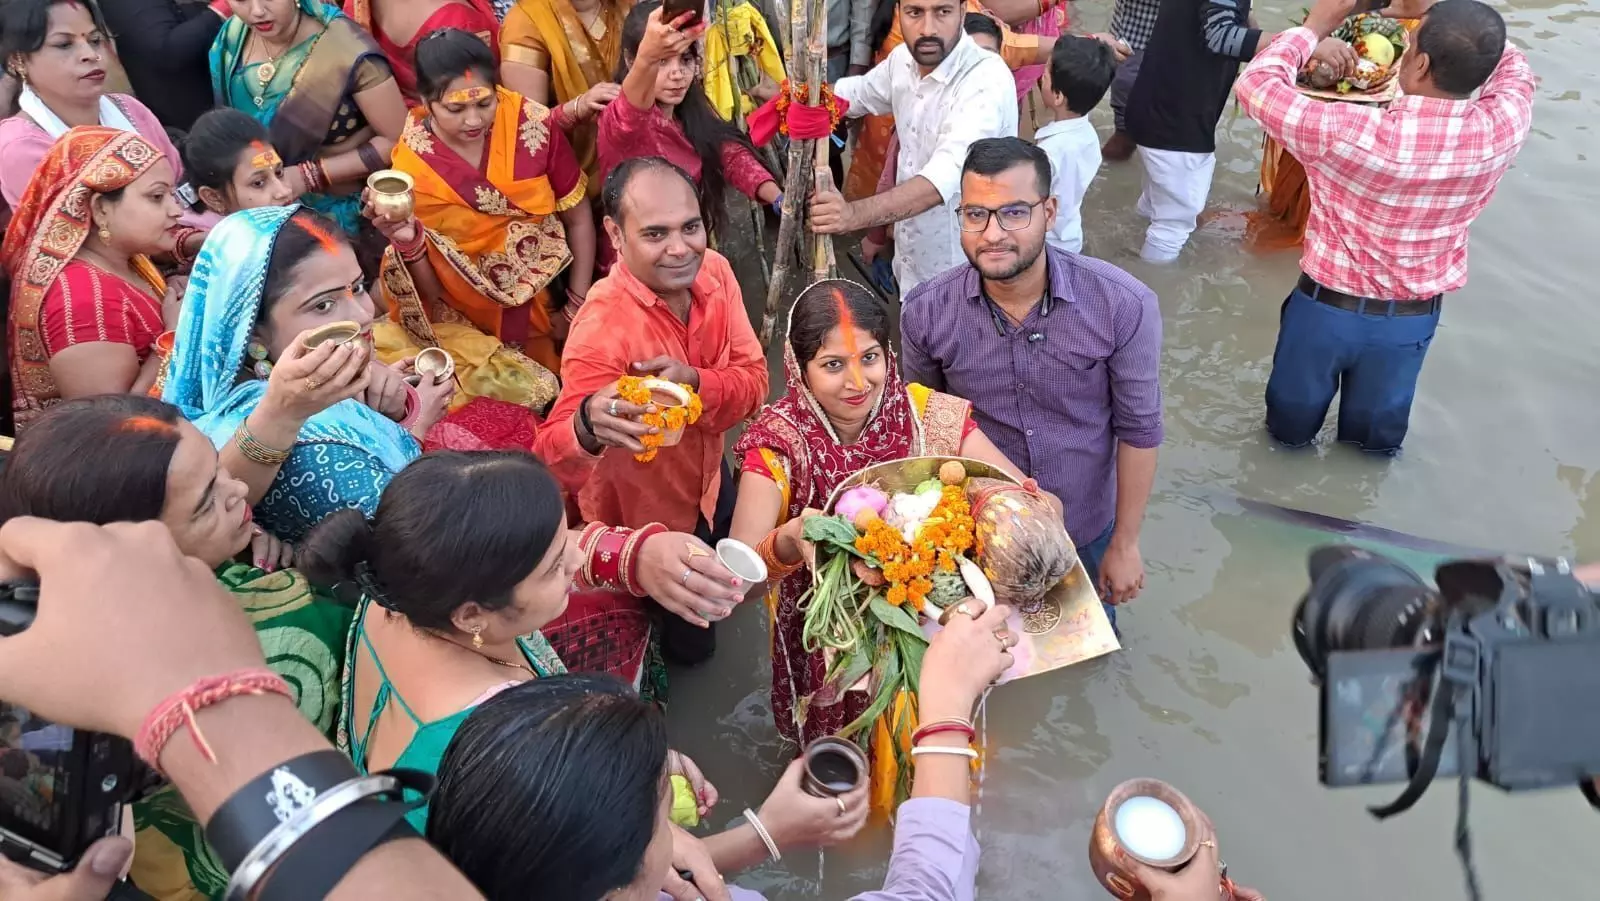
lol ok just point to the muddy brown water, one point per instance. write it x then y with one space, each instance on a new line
1208 693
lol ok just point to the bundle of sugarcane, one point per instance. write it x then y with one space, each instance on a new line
807 60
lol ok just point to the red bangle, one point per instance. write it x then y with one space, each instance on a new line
767 549
179 709
630 558
413 407
602 557
944 726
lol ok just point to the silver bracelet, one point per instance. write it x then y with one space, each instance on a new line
766 837
261 858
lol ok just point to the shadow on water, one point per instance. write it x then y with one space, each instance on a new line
1209 692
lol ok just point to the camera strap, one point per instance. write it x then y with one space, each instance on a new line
1441 713
1458 668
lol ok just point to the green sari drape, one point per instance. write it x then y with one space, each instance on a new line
302 633
308 103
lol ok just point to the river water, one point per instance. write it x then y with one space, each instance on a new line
1208 692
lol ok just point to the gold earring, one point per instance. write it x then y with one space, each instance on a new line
477 636
105 235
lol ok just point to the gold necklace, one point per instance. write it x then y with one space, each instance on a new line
268 69
491 659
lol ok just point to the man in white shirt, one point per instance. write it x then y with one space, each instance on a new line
944 92
1080 72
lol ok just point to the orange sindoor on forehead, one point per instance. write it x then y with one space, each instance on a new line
320 235
263 156
146 424
474 93
847 331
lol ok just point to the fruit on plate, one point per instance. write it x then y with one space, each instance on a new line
1378 42
1377 48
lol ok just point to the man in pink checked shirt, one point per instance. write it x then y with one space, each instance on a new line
1393 191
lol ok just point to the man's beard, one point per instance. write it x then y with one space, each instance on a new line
1026 257
929 51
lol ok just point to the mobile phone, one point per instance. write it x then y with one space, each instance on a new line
672 9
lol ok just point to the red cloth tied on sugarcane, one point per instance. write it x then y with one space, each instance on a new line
806 123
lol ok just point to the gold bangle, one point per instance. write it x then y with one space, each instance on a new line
255 451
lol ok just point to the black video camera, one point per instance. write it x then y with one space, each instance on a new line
61 789
1496 674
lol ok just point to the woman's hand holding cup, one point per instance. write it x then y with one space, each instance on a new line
796 819
681 574
304 382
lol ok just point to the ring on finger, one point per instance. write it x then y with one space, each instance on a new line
612 410
839 801
311 384
687 572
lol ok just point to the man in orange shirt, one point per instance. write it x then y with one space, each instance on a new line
670 308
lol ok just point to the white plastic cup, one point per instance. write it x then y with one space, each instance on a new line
742 560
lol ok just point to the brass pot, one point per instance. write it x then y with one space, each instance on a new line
341 332
666 394
834 766
391 194
1109 858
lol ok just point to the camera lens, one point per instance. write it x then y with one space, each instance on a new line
1360 600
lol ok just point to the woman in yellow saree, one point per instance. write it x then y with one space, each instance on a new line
499 214
562 53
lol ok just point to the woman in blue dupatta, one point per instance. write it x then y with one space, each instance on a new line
294 423
323 89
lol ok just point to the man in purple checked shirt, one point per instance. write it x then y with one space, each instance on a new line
1060 355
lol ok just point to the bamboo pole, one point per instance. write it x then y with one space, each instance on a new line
807 57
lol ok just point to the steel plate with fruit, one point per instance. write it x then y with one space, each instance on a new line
1379 43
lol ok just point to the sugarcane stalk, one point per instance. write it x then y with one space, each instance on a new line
807 56
822 261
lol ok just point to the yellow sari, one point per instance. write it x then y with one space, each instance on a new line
495 241
548 35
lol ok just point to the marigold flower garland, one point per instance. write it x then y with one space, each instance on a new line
786 94
946 534
666 419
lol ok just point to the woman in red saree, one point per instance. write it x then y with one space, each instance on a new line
845 409
87 306
385 18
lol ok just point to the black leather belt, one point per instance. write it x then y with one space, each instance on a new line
1376 306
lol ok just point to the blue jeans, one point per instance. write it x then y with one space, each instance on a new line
1091 554
1372 356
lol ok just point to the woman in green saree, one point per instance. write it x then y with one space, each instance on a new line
129 458
449 606
323 89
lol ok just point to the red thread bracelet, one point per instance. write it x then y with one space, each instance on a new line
179 709
937 728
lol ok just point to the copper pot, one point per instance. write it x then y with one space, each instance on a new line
1109 858
834 766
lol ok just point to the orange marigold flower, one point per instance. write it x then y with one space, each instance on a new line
632 389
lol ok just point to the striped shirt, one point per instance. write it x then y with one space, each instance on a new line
1187 73
1058 393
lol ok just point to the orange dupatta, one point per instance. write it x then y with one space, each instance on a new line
51 223
493 237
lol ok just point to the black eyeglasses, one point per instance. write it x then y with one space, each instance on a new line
1013 216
